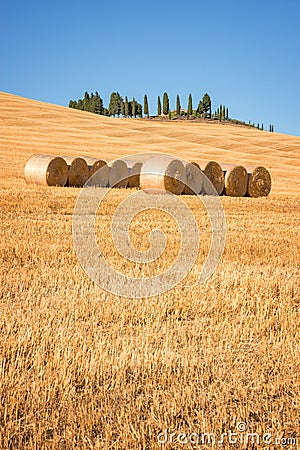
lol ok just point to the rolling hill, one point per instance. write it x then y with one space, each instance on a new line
84 368
29 126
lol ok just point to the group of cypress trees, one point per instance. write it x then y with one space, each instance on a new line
92 103
222 113
203 110
117 105
131 108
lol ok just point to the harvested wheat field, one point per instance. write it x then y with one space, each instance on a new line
84 369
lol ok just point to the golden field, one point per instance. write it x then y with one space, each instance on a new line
81 368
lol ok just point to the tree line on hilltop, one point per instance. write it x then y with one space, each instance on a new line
119 106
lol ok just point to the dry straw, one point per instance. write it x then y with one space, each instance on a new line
134 170
259 182
236 180
47 170
98 170
118 174
194 179
161 173
78 171
196 164
215 174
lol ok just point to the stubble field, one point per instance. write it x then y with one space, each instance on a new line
81 368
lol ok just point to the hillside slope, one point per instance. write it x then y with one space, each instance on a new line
28 126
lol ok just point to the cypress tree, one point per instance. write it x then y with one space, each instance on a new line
119 100
146 107
86 101
227 116
223 113
92 103
158 106
122 108
126 107
200 109
100 107
139 110
165 103
80 104
97 104
113 104
206 103
133 103
190 106
220 113
129 109
178 106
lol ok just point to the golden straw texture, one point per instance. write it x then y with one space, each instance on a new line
134 174
215 174
98 171
46 170
78 171
259 182
194 179
163 174
118 174
236 180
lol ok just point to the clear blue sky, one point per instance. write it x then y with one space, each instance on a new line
245 54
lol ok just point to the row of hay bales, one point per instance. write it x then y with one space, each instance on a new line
156 173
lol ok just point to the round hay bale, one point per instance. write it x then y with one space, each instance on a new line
94 166
236 180
215 174
196 164
78 171
134 169
162 174
194 179
118 174
259 182
46 170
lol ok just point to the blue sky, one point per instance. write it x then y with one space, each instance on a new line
246 55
